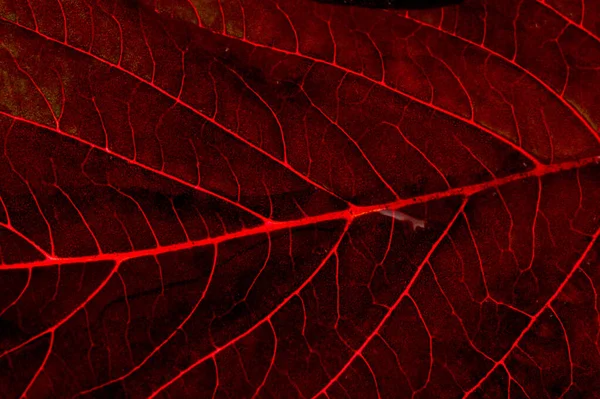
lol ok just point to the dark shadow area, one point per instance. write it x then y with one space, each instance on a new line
395 4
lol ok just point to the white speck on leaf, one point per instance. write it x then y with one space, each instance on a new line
405 218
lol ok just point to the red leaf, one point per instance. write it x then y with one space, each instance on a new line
288 198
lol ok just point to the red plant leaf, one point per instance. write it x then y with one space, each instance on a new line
287 198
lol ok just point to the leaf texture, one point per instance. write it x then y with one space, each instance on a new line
294 199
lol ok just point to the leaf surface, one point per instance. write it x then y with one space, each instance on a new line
294 199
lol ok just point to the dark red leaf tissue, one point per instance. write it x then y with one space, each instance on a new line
282 199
